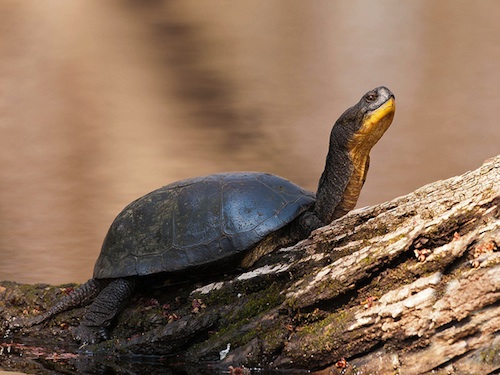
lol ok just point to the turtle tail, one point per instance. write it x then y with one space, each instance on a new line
79 297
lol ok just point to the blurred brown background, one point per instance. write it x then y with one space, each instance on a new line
104 101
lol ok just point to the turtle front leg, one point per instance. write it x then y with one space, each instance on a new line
307 222
99 315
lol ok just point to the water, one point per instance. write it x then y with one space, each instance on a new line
102 102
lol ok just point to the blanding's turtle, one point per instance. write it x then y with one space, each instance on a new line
205 223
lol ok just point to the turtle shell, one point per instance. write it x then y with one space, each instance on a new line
198 221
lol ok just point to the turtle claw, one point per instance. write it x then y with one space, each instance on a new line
90 335
17 323
34 321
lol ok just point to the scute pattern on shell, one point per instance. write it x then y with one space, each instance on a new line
198 221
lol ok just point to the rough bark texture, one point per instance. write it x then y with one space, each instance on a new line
411 286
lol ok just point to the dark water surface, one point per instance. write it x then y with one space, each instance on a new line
102 102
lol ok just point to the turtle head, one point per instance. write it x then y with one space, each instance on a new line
362 125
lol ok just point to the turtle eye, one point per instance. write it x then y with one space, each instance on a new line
371 96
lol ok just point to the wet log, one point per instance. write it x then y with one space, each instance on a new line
409 286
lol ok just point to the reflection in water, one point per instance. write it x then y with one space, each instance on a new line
102 102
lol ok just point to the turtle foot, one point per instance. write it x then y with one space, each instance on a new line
90 335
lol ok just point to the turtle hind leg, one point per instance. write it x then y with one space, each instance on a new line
99 315
79 297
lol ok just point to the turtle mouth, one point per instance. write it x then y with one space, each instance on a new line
378 121
386 109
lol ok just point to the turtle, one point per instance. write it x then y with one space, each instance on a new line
206 223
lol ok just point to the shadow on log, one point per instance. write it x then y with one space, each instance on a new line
409 286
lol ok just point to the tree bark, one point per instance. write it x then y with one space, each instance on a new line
410 286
